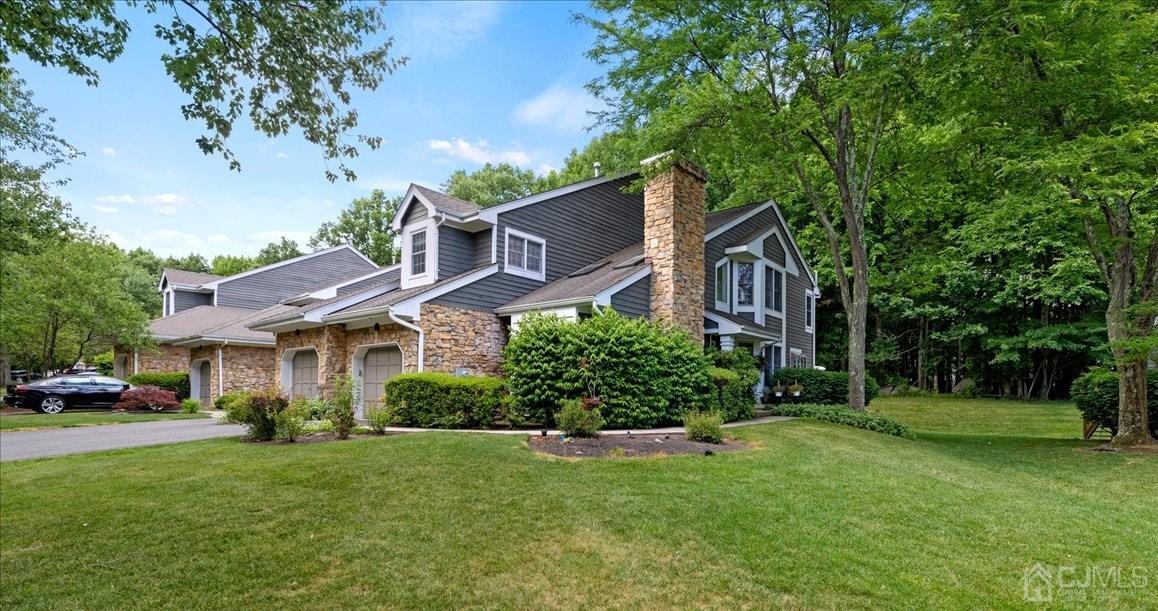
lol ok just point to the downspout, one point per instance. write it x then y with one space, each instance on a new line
221 369
416 329
136 361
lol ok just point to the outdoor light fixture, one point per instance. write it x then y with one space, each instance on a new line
377 326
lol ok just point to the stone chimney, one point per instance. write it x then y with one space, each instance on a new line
673 241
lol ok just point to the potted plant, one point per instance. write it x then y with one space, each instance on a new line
795 388
778 391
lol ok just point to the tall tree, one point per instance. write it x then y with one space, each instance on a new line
276 252
285 65
228 265
808 88
494 184
1060 96
365 225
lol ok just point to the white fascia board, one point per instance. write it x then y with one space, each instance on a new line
725 326
315 315
491 214
409 308
603 298
330 292
411 195
722 229
795 246
209 339
220 281
543 305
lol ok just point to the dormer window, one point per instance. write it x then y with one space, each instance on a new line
418 253
526 255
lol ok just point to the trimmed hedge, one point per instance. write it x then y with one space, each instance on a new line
176 381
645 374
1096 395
870 421
823 387
443 401
704 426
734 397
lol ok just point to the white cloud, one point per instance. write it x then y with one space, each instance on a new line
440 29
105 209
275 235
163 203
560 107
479 152
164 242
108 151
385 183
281 155
218 238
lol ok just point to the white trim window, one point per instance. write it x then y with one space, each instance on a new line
418 252
723 285
809 312
745 285
526 255
773 290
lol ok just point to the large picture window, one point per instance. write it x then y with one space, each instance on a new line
745 284
418 253
525 255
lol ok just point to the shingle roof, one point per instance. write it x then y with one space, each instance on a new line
587 281
180 276
198 320
447 203
719 218
238 329
744 322
393 297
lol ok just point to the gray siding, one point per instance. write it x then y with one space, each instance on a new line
456 251
416 213
635 300
714 248
773 250
184 300
269 287
794 309
579 227
482 248
488 293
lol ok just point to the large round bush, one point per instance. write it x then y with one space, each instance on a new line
824 387
1095 394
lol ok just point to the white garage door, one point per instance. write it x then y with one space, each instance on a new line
305 374
380 365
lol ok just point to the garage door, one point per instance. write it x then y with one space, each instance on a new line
380 365
206 376
305 375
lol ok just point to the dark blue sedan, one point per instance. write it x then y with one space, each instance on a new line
54 395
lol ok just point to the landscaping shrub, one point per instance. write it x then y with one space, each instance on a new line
379 419
704 426
341 412
147 398
227 401
871 421
190 406
310 408
258 413
290 422
175 381
579 420
1095 394
644 373
823 387
443 401
734 398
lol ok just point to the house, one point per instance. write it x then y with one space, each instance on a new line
204 325
468 274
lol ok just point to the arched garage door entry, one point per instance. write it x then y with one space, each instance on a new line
200 378
299 372
372 366
121 366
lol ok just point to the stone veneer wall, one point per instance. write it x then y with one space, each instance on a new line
673 241
248 368
209 353
336 347
462 338
158 359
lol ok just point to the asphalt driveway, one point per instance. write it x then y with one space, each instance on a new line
18 445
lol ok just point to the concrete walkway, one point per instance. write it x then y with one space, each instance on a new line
19 445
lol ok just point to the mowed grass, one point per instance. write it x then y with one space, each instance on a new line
14 422
816 515
948 414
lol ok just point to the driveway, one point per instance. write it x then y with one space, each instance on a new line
18 445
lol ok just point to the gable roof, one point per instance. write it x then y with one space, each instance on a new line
221 280
184 278
586 283
197 320
447 203
719 218
491 214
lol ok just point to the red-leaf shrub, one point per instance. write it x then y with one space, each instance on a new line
148 398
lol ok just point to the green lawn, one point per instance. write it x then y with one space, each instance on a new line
12 422
947 414
817 515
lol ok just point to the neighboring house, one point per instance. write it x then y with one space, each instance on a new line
203 329
468 274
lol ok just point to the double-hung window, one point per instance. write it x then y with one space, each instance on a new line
525 255
418 253
809 311
723 285
774 289
745 284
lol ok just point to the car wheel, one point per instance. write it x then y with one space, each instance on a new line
51 405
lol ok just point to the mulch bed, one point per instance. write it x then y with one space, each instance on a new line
634 445
308 438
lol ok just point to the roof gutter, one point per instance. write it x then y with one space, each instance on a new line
545 304
416 329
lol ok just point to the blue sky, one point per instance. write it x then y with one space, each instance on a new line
485 82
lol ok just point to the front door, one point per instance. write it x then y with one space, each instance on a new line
379 365
203 389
